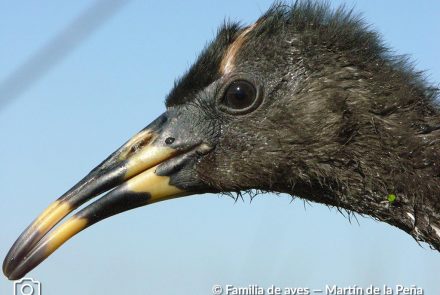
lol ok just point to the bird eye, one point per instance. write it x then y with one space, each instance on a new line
240 96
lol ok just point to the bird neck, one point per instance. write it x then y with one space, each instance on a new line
369 153
416 212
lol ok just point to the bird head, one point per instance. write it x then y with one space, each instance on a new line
265 106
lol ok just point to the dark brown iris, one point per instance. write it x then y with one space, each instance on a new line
240 95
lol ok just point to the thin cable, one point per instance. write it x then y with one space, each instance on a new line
56 49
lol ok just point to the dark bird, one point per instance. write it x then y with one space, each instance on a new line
306 101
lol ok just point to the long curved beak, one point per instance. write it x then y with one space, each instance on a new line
131 171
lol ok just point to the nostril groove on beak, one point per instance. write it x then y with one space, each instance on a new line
135 144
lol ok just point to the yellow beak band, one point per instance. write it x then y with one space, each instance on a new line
131 171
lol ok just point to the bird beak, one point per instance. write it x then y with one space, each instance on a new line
130 172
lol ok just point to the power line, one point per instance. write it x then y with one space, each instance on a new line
57 48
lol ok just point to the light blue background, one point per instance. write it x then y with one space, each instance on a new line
110 87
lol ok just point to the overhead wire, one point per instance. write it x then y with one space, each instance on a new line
57 48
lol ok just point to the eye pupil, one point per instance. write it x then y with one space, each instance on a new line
240 95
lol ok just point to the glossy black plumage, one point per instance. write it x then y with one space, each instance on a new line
330 116
344 121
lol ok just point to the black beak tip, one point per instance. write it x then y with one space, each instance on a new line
11 272
5 267
12 268
7 270
14 277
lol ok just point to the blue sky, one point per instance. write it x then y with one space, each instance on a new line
114 83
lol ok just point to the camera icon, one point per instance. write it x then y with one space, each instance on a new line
27 286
